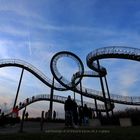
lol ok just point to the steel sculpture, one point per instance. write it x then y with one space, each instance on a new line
75 84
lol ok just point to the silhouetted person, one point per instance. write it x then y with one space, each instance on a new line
46 115
74 112
54 115
100 114
86 114
2 119
15 112
81 115
23 104
49 114
27 100
33 97
26 115
68 111
93 114
20 104
90 113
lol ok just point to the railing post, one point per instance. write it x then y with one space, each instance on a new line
18 88
103 90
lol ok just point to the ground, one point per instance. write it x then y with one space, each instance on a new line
57 131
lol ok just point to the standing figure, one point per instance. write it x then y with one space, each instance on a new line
74 112
54 115
81 115
15 112
68 111
26 115
86 114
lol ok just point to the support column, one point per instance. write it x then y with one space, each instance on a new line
18 88
108 93
51 100
81 94
103 90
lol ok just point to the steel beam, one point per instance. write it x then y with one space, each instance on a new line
108 93
18 88
103 90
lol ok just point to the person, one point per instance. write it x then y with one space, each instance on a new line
2 119
33 98
93 114
100 114
15 112
26 115
27 100
74 113
54 115
49 114
86 114
68 112
80 113
90 113
20 104
46 115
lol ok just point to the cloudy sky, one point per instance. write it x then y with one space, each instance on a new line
35 30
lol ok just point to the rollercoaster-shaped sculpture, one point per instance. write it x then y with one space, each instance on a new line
96 71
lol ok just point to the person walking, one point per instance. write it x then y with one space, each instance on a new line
26 116
54 115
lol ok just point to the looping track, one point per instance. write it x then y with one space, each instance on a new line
102 53
111 52
62 80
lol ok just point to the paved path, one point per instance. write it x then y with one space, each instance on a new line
32 127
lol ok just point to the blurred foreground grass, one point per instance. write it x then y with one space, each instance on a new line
115 133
